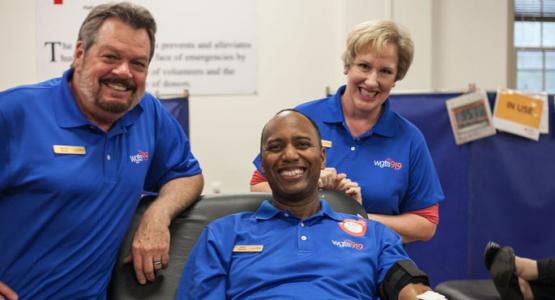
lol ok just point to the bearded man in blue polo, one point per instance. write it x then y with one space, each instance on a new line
77 153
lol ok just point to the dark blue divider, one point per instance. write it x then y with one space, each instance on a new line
498 188
179 108
513 184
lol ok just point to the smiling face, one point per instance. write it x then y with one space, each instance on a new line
370 79
110 77
292 157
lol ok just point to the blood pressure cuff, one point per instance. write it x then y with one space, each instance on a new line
399 275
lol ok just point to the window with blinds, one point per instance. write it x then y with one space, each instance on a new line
534 40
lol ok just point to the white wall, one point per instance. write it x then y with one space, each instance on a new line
299 49
470 43
17 43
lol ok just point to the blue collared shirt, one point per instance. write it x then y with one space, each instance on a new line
391 162
64 211
271 254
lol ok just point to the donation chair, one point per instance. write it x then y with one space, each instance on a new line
475 289
185 229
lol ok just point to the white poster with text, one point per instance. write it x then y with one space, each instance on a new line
205 47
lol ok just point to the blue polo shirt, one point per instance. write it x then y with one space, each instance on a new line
271 254
391 162
68 191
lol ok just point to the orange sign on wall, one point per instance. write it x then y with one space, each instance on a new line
521 113
519 108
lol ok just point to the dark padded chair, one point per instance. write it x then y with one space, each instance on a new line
185 229
468 290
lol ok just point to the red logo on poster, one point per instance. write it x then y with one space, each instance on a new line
58 1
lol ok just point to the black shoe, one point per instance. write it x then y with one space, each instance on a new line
489 253
503 273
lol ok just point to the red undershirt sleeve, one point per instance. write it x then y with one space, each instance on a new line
257 178
431 213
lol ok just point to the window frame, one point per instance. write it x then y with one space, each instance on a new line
531 16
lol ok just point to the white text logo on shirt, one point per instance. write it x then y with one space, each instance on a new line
139 157
388 163
348 244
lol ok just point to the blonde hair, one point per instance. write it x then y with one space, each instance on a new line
379 34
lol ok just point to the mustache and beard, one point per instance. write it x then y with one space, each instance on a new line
113 106
91 88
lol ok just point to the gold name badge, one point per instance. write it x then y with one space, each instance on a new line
65 149
326 144
248 248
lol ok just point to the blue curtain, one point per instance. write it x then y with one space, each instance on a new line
499 188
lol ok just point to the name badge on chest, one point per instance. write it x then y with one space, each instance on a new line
248 248
326 143
66 149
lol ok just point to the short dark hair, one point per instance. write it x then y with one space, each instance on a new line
314 125
135 16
